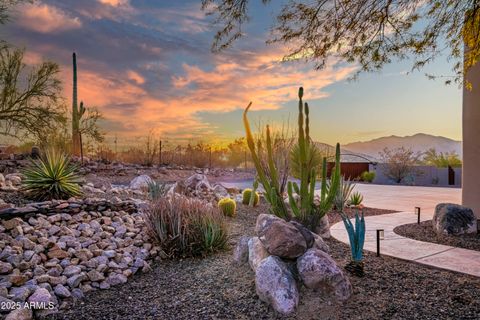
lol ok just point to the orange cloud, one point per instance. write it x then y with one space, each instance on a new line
228 86
45 18
114 3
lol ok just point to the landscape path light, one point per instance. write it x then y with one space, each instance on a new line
417 212
380 236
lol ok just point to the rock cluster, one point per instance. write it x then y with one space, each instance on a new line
10 182
198 186
284 255
68 248
454 219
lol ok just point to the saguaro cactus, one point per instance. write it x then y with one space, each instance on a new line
76 139
307 209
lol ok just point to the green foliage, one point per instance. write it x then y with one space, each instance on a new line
186 226
267 175
315 160
356 235
156 189
228 207
442 160
367 33
368 176
343 193
356 199
247 197
51 177
306 210
29 97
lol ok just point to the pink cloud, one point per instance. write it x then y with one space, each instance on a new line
45 18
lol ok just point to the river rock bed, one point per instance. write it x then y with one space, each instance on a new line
60 250
213 288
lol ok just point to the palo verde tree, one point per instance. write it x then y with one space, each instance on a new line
29 96
373 33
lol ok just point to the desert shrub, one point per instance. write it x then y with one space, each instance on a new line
51 177
368 176
356 199
228 207
186 226
156 189
247 193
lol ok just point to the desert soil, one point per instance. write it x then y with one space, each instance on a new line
425 232
212 288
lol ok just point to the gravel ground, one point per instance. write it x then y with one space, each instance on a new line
212 288
424 232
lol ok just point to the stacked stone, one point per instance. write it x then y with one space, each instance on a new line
63 249
283 249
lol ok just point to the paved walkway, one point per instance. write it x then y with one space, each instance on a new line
405 199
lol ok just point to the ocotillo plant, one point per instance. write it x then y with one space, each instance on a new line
306 209
268 177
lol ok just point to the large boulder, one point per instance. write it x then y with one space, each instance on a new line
323 228
318 271
256 252
198 182
140 182
276 285
240 253
264 221
454 219
283 239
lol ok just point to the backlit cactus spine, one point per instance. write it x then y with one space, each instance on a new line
250 197
228 207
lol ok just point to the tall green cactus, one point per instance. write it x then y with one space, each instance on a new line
307 209
268 177
76 145
77 114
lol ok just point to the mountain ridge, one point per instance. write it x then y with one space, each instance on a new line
419 142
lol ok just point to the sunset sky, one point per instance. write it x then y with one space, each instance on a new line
147 65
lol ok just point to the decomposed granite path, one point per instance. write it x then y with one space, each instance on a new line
405 199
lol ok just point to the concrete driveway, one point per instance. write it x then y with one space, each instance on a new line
405 198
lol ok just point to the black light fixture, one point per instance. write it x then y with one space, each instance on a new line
380 236
417 212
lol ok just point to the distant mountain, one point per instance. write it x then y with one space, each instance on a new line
419 142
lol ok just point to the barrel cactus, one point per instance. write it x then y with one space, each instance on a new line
228 207
247 194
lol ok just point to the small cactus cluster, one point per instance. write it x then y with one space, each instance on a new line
246 196
228 207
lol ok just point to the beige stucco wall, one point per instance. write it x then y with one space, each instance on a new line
471 142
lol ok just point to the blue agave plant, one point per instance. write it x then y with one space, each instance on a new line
356 235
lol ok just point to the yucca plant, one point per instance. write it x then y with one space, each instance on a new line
356 236
307 210
52 176
356 199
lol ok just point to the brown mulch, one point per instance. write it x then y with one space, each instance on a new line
425 232
212 288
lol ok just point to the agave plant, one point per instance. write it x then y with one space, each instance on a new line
52 176
343 193
356 236
356 199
